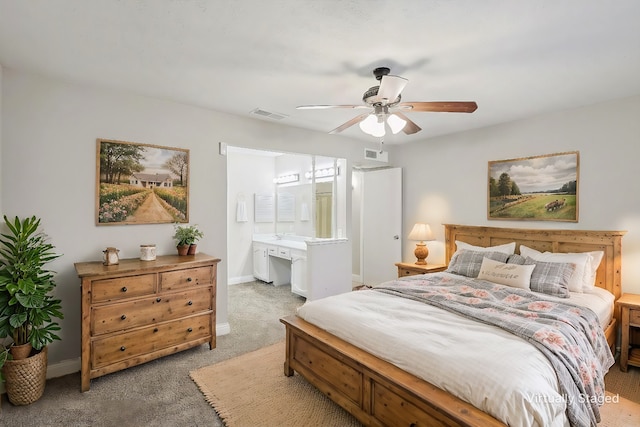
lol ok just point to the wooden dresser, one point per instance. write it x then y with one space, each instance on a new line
137 311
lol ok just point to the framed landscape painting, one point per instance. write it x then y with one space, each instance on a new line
540 188
141 183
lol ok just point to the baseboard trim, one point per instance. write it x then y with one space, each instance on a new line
223 329
240 279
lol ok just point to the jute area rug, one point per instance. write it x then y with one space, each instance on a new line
251 391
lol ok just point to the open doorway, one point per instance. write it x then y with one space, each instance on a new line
305 195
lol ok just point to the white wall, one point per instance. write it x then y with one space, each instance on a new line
48 169
445 178
247 174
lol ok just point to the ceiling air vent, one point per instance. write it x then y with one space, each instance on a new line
379 156
268 114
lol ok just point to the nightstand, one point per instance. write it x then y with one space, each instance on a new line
630 319
411 269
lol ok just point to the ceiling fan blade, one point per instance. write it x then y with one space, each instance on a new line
439 107
411 127
325 107
390 88
350 123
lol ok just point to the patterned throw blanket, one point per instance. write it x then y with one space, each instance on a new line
568 335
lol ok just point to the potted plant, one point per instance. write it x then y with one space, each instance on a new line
186 237
27 307
4 355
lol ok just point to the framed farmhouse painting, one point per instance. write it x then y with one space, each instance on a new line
540 188
141 183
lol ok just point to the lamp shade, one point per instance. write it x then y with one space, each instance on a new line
372 126
421 232
396 123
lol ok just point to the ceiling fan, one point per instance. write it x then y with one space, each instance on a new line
386 108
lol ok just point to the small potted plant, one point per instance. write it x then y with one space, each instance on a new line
186 237
27 306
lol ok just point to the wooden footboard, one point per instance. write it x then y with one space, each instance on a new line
374 391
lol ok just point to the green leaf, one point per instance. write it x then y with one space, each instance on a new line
17 319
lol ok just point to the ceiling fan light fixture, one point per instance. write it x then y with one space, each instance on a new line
372 126
390 88
396 123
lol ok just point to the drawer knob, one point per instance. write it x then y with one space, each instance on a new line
155 330
190 303
124 316
158 299
190 330
123 348
124 289
189 279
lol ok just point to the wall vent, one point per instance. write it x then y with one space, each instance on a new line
267 114
379 156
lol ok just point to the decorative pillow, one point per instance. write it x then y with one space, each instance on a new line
467 263
551 278
582 263
507 248
514 275
516 259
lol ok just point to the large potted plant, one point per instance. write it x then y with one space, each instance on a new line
186 237
28 308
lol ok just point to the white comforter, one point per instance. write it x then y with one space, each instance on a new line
495 371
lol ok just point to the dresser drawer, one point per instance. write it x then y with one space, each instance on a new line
126 315
179 279
403 272
122 287
634 317
105 351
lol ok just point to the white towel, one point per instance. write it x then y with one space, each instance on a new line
241 211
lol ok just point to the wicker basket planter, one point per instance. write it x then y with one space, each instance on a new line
25 379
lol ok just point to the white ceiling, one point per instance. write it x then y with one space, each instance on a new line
514 58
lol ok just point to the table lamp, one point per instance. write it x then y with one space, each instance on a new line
421 232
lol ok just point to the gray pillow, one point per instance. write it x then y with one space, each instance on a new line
467 263
551 278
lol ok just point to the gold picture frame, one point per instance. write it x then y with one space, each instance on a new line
538 188
141 183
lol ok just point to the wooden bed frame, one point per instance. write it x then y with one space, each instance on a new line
378 393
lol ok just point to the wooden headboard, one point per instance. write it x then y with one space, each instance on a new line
608 275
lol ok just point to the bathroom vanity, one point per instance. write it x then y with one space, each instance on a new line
315 268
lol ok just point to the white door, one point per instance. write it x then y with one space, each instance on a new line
381 225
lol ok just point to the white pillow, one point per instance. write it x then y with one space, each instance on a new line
590 274
582 273
514 275
507 248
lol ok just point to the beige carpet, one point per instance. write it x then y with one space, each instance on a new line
231 387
